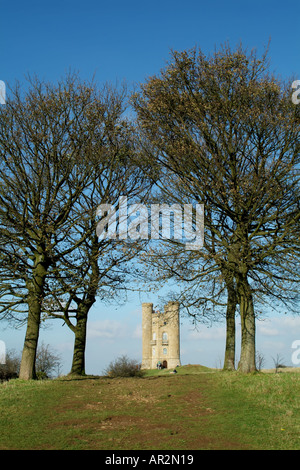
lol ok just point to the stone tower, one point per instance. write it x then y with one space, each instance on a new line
161 339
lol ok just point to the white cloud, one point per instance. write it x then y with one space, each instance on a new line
267 330
113 329
203 333
137 333
109 329
290 322
66 346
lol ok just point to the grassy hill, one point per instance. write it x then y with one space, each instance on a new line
197 408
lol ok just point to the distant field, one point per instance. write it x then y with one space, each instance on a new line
197 408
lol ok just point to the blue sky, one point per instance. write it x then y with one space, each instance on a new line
130 41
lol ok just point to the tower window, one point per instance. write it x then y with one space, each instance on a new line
165 351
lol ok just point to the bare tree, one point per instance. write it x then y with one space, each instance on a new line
47 361
101 267
50 141
260 360
226 132
278 362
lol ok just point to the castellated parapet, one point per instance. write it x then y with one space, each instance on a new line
161 336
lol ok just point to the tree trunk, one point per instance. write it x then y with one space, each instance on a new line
78 363
35 298
27 367
229 361
247 360
83 307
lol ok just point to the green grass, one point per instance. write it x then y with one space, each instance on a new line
197 408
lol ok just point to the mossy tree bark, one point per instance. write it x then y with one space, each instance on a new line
78 362
35 297
247 359
229 360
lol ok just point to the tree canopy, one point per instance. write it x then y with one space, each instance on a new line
226 133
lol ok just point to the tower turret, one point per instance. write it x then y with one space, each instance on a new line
172 318
161 337
147 310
